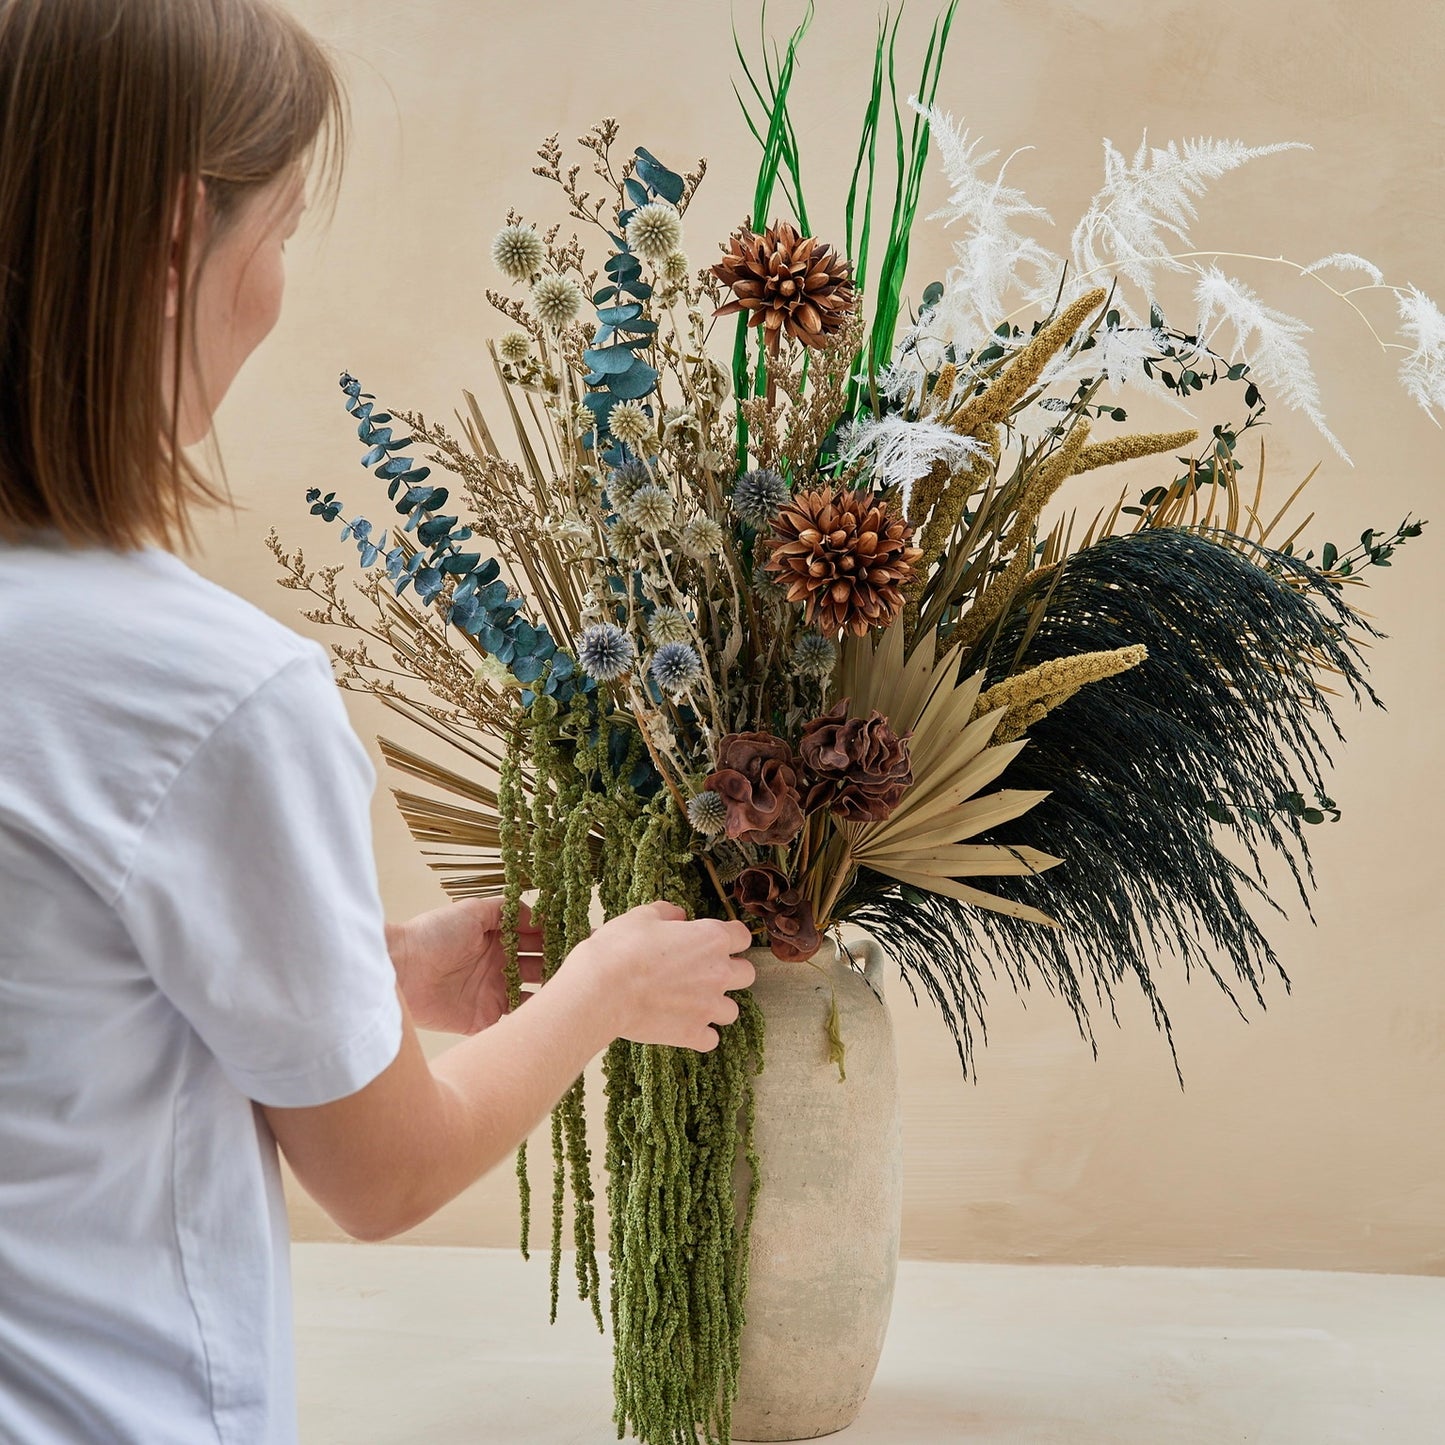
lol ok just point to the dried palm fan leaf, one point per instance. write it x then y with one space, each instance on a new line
924 841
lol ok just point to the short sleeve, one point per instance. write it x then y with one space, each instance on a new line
252 896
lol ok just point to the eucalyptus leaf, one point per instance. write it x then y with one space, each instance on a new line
635 383
608 361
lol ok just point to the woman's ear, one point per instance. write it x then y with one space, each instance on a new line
185 240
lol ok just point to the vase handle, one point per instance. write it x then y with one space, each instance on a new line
868 952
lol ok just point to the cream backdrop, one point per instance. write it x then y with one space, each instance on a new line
1309 1136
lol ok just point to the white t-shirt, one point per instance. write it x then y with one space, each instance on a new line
189 921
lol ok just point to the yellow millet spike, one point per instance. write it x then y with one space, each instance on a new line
958 487
946 507
1030 695
926 491
1125 449
995 404
1048 477
942 388
990 606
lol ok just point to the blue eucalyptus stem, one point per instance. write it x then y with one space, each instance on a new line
481 604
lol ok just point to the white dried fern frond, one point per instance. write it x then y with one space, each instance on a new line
902 451
1268 339
994 258
1145 207
1423 371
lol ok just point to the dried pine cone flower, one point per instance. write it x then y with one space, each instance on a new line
788 282
856 768
844 556
757 779
782 909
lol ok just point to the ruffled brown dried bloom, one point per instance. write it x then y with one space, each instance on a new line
844 556
782 909
757 779
857 768
788 282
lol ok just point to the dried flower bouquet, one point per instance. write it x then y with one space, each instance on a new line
806 639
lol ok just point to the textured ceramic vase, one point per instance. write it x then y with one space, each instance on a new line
824 1253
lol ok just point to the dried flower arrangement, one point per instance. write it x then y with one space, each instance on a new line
763 639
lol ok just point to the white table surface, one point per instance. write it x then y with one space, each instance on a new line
426 1346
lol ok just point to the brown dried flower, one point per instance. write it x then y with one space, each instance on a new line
857 768
844 556
757 779
782 909
789 282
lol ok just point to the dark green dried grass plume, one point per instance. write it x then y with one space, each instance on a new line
1228 714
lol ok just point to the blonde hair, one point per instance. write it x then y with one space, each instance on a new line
113 113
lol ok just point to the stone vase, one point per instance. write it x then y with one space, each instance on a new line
824 1249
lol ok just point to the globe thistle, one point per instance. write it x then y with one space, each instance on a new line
730 866
759 496
675 667
675 267
667 624
518 253
766 585
631 425
655 231
556 299
605 652
649 508
583 420
814 655
701 538
515 346
627 479
624 541
707 813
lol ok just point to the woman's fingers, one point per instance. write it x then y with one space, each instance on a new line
726 1011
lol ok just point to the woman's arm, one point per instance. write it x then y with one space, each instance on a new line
387 1157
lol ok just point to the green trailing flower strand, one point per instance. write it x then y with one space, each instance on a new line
676 1120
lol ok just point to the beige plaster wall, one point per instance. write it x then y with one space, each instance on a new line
1309 1136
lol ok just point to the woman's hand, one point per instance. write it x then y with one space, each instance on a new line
451 967
386 1157
664 978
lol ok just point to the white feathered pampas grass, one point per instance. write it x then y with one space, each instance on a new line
1422 372
902 451
1136 226
1268 339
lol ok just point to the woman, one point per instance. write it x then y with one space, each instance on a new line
193 961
